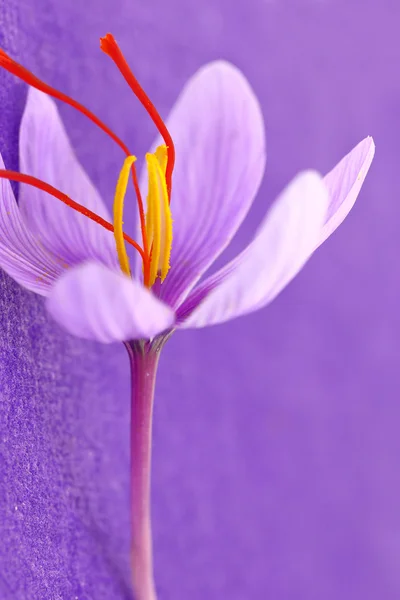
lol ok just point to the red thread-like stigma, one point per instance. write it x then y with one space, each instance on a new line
49 189
111 48
21 72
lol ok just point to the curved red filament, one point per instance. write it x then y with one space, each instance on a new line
21 72
15 68
111 48
49 189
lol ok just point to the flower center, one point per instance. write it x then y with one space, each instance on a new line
158 217
156 226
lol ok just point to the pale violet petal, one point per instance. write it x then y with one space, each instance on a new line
218 131
96 303
21 255
282 245
344 183
46 153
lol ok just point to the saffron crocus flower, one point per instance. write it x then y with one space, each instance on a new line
60 242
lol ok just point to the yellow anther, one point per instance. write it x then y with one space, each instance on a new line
118 210
166 224
162 157
158 218
153 221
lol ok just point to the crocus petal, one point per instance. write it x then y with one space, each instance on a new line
218 131
284 242
96 303
46 153
21 256
344 184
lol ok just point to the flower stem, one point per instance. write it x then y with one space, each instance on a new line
143 358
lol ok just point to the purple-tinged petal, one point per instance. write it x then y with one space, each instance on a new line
282 245
46 153
96 303
344 184
218 131
21 255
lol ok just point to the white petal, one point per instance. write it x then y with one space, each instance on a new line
21 254
46 153
283 244
344 183
96 303
218 131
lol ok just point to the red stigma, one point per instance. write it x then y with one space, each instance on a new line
111 48
19 71
15 68
49 189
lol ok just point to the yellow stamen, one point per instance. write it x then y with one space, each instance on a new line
158 218
118 210
162 157
166 224
153 221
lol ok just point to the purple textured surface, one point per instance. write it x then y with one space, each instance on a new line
276 437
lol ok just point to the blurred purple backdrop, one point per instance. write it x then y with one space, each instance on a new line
276 452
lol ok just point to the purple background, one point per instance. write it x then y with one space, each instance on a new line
276 446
